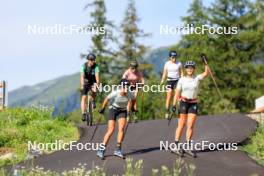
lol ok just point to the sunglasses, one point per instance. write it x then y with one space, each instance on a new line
173 57
133 68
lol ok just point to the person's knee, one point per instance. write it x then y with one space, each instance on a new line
180 126
189 127
84 98
169 94
121 129
110 131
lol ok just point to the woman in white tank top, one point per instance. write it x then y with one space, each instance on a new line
186 93
171 73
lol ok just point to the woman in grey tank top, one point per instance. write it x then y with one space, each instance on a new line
120 102
186 93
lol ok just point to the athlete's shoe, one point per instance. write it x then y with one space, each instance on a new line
177 150
119 153
100 153
83 117
189 150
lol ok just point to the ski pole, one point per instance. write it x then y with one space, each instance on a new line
203 56
96 127
142 105
126 126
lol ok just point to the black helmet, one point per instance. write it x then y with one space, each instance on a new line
91 56
124 82
173 54
189 64
133 64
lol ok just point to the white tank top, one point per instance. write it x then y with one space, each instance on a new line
173 70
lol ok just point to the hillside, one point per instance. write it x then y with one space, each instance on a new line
157 57
62 93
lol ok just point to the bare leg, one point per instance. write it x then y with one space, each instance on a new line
110 131
168 98
181 124
121 127
83 104
190 125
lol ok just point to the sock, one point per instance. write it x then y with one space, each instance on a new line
118 146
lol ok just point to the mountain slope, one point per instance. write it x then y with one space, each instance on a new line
62 93
157 57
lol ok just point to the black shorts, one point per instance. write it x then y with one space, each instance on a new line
188 108
172 84
86 89
115 114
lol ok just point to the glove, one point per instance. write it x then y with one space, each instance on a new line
101 111
174 109
204 58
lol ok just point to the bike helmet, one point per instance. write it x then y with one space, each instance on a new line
173 54
133 64
189 64
91 56
124 83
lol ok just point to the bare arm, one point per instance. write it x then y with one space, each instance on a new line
82 80
164 75
181 72
129 106
176 97
206 71
97 78
105 102
142 80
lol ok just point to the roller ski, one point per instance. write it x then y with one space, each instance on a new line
189 150
119 154
177 150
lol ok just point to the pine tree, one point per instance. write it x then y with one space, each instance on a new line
231 56
100 43
131 49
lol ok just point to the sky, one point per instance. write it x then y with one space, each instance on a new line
29 59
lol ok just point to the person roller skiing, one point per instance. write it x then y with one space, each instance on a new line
135 77
172 72
120 105
186 92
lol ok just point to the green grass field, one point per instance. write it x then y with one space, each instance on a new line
255 145
20 125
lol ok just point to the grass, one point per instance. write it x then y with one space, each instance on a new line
131 169
20 125
255 145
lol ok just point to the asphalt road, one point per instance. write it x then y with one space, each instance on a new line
143 142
